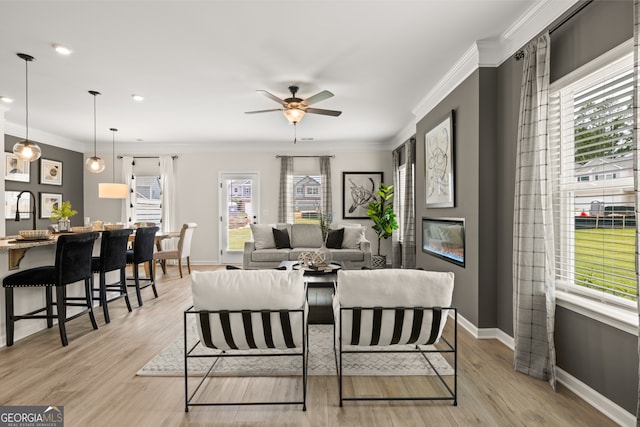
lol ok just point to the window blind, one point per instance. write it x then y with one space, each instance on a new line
591 136
400 193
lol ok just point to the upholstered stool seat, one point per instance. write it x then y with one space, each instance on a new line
142 253
113 257
72 264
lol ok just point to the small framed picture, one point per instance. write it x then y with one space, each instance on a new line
358 190
11 202
50 172
16 169
48 201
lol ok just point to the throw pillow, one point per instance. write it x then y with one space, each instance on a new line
352 237
306 236
334 238
281 237
263 236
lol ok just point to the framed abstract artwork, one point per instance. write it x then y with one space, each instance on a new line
439 173
16 169
50 172
48 201
358 189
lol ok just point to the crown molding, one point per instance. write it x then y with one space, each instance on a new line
490 53
44 137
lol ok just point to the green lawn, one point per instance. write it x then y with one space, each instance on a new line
595 266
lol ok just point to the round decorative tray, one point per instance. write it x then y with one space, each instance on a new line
325 269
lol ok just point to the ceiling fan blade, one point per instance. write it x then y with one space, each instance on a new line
323 112
262 111
271 96
320 96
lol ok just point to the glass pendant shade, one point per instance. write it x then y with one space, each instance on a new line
294 115
27 150
95 164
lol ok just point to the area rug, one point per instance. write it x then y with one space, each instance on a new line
170 362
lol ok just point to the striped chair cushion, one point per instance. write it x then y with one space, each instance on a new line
236 299
410 295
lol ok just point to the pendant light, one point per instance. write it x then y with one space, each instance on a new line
94 163
27 150
113 190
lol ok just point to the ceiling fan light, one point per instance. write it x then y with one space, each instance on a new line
27 150
294 115
95 164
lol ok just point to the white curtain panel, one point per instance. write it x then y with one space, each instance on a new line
636 163
168 188
285 200
533 244
128 208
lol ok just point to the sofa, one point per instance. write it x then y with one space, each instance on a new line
274 243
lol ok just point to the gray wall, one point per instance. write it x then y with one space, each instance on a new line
465 101
71 189
604 358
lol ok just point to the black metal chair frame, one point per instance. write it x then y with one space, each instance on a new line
119 263
136 274
188 354
60 282
452 392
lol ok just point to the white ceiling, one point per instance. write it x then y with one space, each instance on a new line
199 64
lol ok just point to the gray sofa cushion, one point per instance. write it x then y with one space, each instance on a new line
306 236
261 255
263 236
347 255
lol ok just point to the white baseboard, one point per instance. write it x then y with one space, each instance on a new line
612 410
595 399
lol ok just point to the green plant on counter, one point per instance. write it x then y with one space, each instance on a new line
64 211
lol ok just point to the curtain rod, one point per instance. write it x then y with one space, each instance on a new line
120 156
520 54
281 155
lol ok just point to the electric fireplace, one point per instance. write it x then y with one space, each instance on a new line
444 238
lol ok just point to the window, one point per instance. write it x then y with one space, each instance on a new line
306 198
591 135
399 192
148 199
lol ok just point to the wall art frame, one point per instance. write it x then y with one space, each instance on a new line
47 202
50 172
16 169
10 202
439 164
358 189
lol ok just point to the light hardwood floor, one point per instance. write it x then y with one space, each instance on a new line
94 378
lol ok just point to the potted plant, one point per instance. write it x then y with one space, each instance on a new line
384 220
62 214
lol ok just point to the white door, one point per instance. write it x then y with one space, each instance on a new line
239 207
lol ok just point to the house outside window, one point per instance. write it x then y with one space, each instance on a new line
591 135
306 198
148 199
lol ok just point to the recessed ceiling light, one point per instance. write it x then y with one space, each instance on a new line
6 100
306 139
138 98
62 50
139 139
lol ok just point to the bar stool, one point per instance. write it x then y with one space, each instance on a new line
113 256
142 253
72 264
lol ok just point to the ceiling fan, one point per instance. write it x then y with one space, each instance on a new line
295 108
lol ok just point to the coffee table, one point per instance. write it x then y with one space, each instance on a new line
320 288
